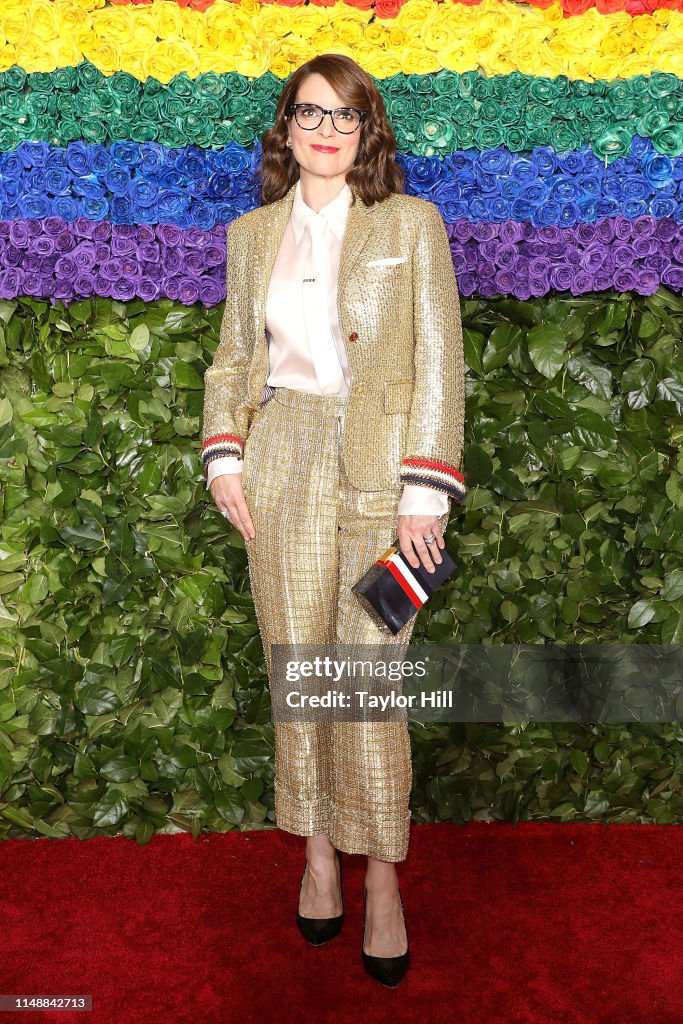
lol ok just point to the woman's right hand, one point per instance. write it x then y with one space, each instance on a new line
227 492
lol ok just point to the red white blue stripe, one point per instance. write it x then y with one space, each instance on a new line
432 473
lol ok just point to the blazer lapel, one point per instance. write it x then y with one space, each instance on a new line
271 230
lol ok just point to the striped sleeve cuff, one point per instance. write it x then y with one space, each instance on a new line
220 445
431 473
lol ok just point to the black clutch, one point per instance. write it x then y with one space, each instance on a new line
392 591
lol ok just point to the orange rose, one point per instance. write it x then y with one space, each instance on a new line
388 8
576 6
609 6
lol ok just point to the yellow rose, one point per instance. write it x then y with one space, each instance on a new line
273 21
436 35
662 17
293 53
553 16
16 26
327 39
605 68
349 32
156 65
230 41
121 24
43 26
375 34
523 53
254 59
222 13
203 38
181 56
644 28
483 40
396 38
104 54
414 14
673 63
306 23
133 55
168 19
416 60
635 64
379 63
614 46
456 57
348 23
554 59
666 54
70 19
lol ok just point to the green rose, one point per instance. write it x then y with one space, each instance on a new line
662 83
210 86
438 131
669 140
446 83
14 79
612 144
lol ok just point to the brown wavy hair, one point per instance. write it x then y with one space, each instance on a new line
375 173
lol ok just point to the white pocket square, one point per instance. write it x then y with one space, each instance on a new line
386 261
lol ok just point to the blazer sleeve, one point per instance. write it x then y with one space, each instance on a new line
437 415
225 422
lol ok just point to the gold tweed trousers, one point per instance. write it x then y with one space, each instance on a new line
315 535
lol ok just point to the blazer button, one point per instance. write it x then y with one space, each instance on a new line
353 336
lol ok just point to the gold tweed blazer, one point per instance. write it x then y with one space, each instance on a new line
399 311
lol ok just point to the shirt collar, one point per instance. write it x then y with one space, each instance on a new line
335 212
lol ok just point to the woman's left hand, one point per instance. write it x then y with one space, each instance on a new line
412 531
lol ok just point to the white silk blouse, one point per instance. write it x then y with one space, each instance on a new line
305 345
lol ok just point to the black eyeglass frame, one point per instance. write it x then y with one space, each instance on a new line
292 109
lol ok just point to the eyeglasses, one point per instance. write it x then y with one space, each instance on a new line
309 116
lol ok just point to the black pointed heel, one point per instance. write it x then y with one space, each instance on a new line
321 929
388 970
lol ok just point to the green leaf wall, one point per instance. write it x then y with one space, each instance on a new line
133 693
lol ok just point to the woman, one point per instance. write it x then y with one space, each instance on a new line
333 422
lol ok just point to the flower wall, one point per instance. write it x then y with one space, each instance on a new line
549 136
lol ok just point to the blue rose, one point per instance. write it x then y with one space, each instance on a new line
658 170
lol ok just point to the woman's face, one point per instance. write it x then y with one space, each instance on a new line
316 89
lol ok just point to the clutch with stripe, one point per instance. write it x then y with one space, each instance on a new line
392 591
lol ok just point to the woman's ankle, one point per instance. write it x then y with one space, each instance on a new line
320 851
381 877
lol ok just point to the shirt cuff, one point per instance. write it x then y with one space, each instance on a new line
417 500
222 465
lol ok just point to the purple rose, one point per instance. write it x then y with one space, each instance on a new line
463 230
467 283
582 283
510 231
666 229
561 277
593 258
647 281
625 279
673 278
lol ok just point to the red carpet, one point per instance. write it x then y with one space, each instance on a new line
556 924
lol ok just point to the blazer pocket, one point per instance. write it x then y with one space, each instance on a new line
386 261
398 395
